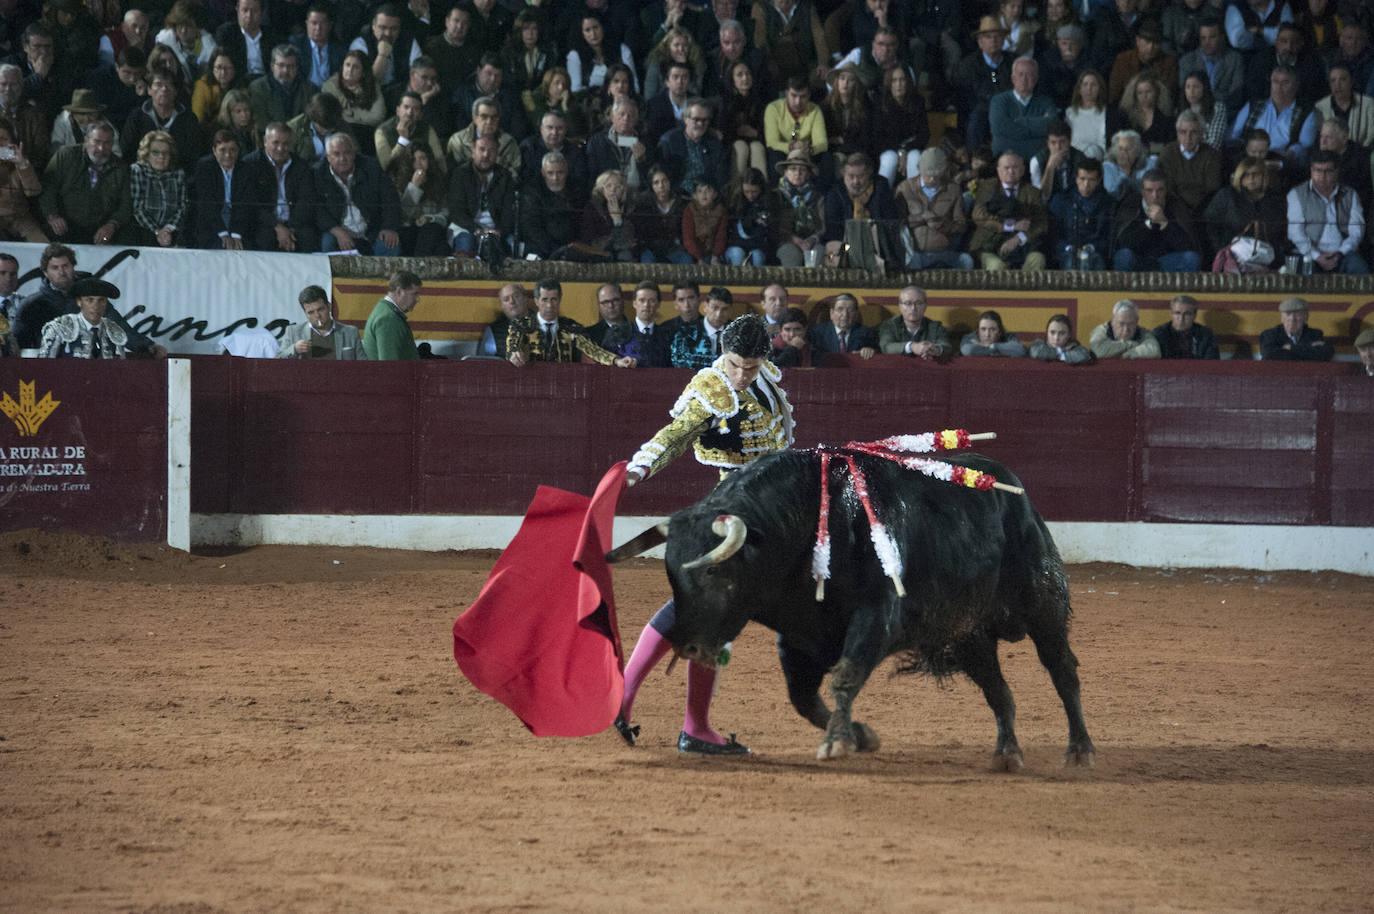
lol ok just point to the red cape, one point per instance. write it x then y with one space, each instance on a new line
542 637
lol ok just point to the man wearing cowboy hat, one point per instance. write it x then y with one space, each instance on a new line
1146 57
86 334
980 76
799 209
69 129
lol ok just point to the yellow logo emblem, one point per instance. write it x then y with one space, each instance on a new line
27 414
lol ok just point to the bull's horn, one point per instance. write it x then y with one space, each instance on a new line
734 531
654 536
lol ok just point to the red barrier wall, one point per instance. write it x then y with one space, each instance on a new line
1214 442
84 448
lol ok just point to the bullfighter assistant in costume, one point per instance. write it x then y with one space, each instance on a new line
731 413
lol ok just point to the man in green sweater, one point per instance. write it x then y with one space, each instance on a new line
387 336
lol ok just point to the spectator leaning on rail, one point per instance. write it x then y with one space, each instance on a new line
319 336
1292 340
912 333
387 336
1182 337
1364 345
991 339
1059 344
1121 337
1326 220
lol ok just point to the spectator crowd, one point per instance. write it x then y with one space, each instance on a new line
1171 135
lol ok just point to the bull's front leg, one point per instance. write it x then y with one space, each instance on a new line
863 651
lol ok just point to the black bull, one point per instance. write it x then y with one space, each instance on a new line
978 567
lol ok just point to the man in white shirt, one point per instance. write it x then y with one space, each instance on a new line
1326 220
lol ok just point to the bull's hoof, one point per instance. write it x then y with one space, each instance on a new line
866 738
1009 760
1080 758
833 749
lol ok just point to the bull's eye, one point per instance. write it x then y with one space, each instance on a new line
711 569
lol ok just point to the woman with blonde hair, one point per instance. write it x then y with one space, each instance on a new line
677 46
1148 109
606 223
554 93
181 32
236 116
1125 164
158 191
1249 207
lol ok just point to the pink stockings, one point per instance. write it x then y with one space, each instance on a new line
701 681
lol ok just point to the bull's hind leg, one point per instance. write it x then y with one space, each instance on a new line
1054 652
978 658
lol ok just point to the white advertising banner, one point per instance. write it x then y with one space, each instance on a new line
189 301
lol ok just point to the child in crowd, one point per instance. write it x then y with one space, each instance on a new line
703 225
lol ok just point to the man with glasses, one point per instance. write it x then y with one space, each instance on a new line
691 153
1182 337
610 304
1326 220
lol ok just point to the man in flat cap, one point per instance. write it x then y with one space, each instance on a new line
1364 345
85 334
1292 340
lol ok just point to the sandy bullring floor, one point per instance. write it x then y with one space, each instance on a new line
284 729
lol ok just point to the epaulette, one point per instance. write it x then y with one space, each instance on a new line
712 390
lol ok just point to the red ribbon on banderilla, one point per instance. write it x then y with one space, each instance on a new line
900 449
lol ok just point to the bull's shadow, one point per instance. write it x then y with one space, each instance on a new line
959 764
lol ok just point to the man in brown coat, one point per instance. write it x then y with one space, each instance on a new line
1010 219
1192 169
934 210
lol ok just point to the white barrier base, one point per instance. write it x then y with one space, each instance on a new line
1254 546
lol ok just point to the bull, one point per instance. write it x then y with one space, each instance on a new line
977 567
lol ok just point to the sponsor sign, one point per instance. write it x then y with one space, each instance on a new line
189 301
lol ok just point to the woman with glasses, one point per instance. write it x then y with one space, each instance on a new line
158 191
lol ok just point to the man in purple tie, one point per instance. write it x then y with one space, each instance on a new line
844 332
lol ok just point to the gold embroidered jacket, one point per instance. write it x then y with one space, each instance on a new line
524 335
727 428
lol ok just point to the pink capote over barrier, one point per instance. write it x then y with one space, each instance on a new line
542 637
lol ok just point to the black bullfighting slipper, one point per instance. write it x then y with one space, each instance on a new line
690 745
627 732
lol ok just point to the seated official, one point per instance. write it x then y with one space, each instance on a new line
319 336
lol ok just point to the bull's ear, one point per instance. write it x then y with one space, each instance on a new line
654 536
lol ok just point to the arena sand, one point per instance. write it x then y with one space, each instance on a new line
284 729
